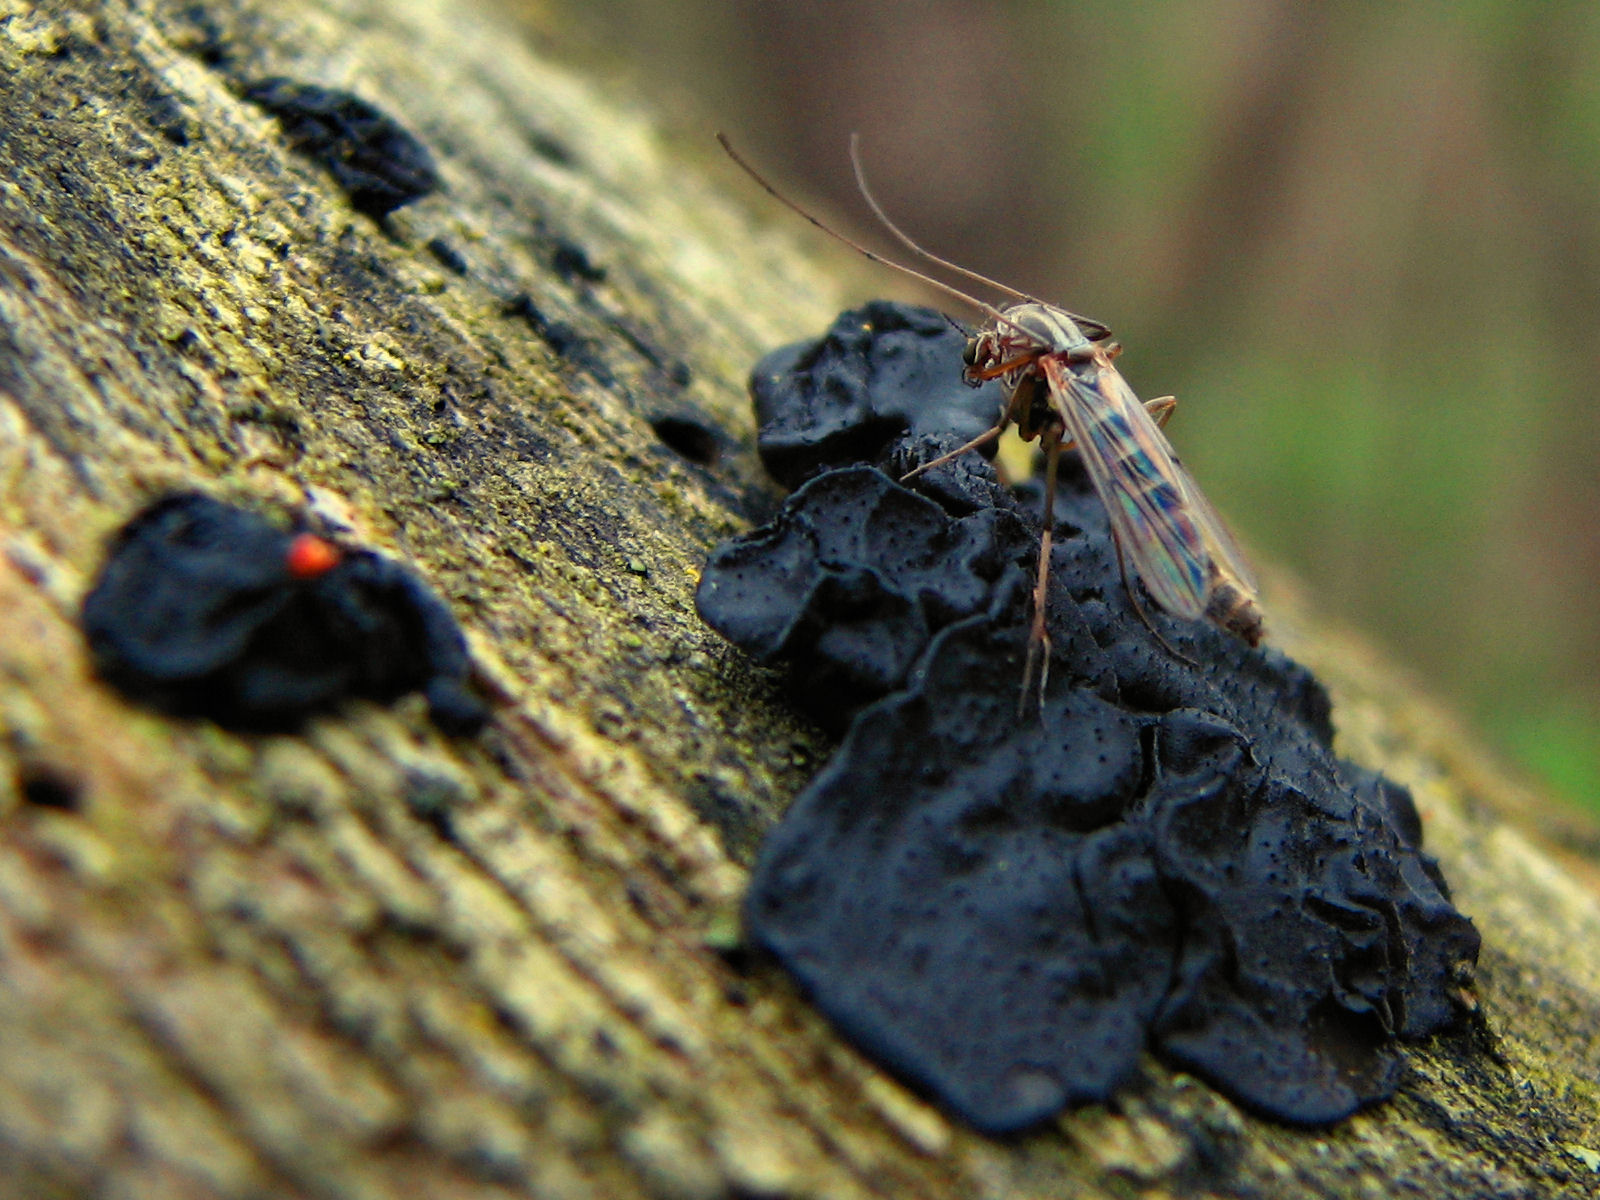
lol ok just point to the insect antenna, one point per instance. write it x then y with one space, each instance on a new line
942 286
904 238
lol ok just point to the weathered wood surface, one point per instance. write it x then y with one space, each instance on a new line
372 962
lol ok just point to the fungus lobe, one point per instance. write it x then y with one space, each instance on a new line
1160 854
205 609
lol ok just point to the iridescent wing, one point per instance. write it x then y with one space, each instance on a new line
1148 496
1225 553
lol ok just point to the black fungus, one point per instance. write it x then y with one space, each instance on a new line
48 787
563 340
572 263
851 582
549 149
202 609
876 382
166 115
377 162
447 256
1164 854
691 437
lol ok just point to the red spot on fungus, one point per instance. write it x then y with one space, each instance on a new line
310 556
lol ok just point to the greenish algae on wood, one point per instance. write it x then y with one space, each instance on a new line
369 961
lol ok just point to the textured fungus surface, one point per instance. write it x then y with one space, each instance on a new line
878 388
202 609
1162 854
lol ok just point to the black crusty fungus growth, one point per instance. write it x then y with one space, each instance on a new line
876 388
1165 855
204 609
372 157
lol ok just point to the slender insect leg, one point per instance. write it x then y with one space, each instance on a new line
983 439
1038 637
1161 409
1001 368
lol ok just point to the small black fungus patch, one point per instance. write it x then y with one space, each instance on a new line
550 149
1007 910
203 609
564 341
690 437
376 161
48 787
167 116
447 256
572 263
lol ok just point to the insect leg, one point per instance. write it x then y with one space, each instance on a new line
1038 636
983 439
1003 368
1161 409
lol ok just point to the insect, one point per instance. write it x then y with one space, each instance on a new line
1062 387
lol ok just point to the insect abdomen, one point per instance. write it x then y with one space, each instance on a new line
1234 611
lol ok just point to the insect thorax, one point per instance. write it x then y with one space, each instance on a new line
1042 325
1020 334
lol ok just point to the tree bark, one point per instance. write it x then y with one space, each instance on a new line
371 961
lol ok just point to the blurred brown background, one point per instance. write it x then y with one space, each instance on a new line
1360 242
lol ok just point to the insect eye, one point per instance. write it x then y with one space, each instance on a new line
969 355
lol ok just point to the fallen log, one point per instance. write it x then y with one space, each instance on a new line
368 959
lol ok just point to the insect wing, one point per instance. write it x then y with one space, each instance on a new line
1145 493
1225 553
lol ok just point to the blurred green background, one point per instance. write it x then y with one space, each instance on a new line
1360 242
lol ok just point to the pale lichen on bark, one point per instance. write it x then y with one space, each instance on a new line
370 961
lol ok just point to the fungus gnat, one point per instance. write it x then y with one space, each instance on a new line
1063 389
